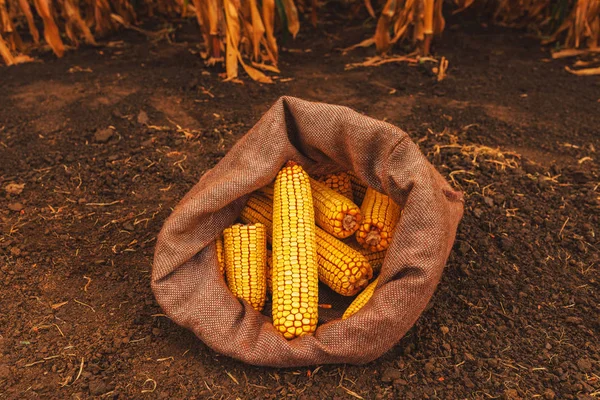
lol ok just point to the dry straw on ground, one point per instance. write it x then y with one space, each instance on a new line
244 32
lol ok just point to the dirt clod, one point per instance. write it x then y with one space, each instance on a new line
584 364
104 135
4 371
99 387
549 394
142 118
391 374
15 206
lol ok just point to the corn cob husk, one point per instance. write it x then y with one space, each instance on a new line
340 182
246 262
295 268
380 215
334 213
220 254
359 188
360 301
341 268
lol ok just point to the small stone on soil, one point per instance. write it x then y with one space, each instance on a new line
99 387
429 367
16 206
584 364
391 374
104 135
142 118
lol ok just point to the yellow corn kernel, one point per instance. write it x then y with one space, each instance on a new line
334 213
340 182
259 209
295 271
360 300
375 258
220 254
359 188
380 215
246 262
342 268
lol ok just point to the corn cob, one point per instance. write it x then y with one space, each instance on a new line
359 188
333 256
246 262
375 258
267 191
334 213
343 269
295 271
360 300
259 209
380 217
220 254
340 182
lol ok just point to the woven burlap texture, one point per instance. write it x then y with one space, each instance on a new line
322 138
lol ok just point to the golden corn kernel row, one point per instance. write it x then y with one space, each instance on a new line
246 262
259 209
375 258
359 188
340 267
220 254
360 300
295 270
380 215
334 213
340 182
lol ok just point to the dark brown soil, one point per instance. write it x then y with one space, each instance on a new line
515 316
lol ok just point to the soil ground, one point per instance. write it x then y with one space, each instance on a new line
516 314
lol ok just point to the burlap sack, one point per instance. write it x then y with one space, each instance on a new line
321 137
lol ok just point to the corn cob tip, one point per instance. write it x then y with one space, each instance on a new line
291 163
373 238
349 222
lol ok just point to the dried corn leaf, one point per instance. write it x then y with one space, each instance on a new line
232 39
26 9
51 33
74 21
258 29
268 16
291 13
382 32
369 7
574 52
584 72
5 52
365 43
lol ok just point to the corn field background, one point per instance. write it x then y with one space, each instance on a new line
244 33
